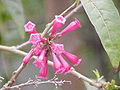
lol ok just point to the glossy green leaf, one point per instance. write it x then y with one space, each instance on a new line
106 20
16 10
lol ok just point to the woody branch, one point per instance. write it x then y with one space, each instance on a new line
77 74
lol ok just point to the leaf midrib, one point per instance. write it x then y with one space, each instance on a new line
102 17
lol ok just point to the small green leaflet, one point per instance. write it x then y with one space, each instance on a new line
106 20
16 10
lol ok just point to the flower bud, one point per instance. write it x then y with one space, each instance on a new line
72 58
58 67
58 22
72 26
27 57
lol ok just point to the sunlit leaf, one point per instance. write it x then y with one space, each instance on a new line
16 10
106 20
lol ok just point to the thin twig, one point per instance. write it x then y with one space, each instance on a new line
92 83
97 85
73 11
68 9
22 45
54 81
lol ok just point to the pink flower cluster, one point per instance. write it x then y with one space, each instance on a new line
42 47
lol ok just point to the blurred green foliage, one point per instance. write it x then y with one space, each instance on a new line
15 8
4 15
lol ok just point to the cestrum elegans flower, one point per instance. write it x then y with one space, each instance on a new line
42 47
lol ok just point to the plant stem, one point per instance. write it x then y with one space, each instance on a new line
16 73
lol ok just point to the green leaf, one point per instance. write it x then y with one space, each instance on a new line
4 16
106 20
16 10
111 85
97 74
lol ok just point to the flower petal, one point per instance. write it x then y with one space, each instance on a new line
27 57
44 69
40 60
58 22
72 26
57 48
35 38
66 66
37 63
58 67
72 58
30 27
37 50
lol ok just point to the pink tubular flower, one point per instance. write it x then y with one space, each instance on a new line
44 69
58 22
30 27
37 63
72 26
58 67
27 57
57 48
37 50
35 39
42 55
66 66
40 60
43 46
72 58
43 72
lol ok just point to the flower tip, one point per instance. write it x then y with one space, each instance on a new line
58 22
78 22
27 58
60 19
35 38
30 27
78 62
37 50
